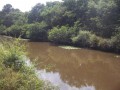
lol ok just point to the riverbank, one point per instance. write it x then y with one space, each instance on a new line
14 72
101 44
10 37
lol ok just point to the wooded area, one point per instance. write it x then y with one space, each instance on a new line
84 23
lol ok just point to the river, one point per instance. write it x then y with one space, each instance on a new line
76 69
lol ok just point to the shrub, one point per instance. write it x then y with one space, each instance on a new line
82 39
94 41
37 31
21 77
11 80
60 35
12 53
2 29
116 42
87 39
14 31
105 44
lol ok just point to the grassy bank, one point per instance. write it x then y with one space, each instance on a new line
14 73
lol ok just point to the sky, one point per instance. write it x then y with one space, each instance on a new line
23 5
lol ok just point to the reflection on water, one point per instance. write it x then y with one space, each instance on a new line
54 77
73 69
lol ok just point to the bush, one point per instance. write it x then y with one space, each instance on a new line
87 39
17 75
12 53
11 80
60 35
35 31
14 31
105 44
116 42
2 29
82 39
38 31
94 41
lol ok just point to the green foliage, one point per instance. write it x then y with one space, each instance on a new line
10 16
60 35
100 17
34 15
37 31
11 53
87 39
11 80
94 41
116 41
14 30
52 14
7 8
82 39
105 44
14 73
2 29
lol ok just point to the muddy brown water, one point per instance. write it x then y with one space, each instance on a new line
76 69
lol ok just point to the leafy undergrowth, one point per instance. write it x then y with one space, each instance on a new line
14 73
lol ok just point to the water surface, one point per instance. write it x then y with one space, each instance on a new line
76 69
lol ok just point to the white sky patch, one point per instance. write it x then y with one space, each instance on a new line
23 5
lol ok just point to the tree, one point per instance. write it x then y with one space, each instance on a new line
10 16
53 14
7 8
60 35
34 15
37 31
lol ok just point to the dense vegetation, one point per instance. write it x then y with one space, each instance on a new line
85 23
15 74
